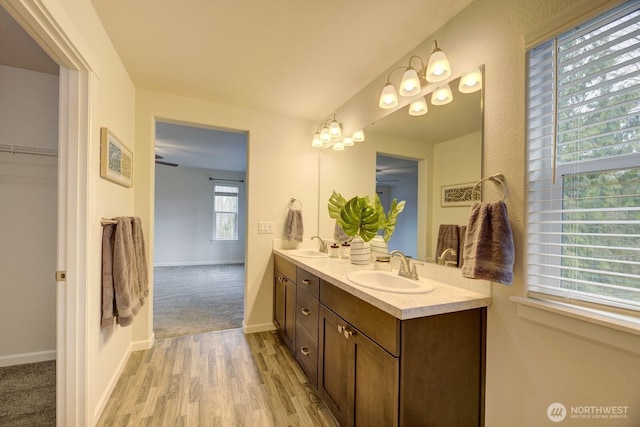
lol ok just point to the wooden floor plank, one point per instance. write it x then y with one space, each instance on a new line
223 378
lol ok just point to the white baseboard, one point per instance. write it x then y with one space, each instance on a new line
144 344
21 359
262 327
186 263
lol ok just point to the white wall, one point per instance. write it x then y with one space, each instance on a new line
529 366
184 218
456 161
28 214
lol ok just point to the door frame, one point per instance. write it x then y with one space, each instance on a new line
40 21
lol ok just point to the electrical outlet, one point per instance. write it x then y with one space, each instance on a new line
265 227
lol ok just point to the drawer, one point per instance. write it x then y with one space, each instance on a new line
376 324
307 309
308 282
307 355
285 267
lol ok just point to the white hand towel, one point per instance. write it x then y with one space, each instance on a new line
488 249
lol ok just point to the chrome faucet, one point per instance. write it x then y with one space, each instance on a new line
441 258
406 269
323 244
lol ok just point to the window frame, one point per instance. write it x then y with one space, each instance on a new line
216 184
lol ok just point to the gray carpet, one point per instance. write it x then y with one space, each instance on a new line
28 395
191 300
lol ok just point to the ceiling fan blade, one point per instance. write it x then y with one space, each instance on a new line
173 165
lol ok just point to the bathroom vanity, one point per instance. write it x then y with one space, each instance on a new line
379 358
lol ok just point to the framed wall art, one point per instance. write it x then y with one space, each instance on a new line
116 160
460 194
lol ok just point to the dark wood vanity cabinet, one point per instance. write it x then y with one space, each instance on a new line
372 369
284 301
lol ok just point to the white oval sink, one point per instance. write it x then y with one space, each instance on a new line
389 282
307 253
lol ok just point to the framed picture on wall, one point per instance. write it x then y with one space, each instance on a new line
460 194
116 160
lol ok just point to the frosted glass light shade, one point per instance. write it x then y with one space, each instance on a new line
316 140
325 136
347 141
471 82
388 97
410 83
358 136
442 95
338 146
335 129
438 68
418 107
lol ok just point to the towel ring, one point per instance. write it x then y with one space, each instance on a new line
293 201
497 177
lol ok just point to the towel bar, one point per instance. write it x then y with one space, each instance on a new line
496 178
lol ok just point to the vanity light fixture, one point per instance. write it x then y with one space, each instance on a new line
442 95
471 82
316 142
347 142
438 68
418 107
409 85
325 136
329 130
338 146
388 97
335 128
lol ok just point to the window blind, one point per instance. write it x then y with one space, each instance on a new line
583 136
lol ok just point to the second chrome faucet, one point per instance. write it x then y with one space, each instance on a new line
406 269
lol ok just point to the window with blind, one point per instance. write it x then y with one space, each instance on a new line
583 143
225 208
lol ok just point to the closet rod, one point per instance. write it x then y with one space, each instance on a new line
20 149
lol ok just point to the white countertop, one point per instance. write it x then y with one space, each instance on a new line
443 299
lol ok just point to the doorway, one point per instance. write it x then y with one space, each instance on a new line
200 229
397 178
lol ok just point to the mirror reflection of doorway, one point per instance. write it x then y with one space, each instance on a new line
397 178
200 230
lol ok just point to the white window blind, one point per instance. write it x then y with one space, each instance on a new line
225 207
583 119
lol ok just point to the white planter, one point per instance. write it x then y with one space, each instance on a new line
378 248
360 253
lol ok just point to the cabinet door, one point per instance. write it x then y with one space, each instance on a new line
284 310
374 379
333 351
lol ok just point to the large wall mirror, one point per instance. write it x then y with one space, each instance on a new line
412 158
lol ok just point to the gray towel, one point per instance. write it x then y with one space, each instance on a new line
125 289
108 303
462 233
338 234
295 228
140 259
448 238
488 250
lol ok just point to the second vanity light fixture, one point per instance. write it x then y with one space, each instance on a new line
330 132
437 70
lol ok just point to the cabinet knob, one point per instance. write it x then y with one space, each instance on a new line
306 311
347 333
304 350
341 329
306 281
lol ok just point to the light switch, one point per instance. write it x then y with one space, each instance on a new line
265 227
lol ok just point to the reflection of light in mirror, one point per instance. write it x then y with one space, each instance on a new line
358 136
335 129
347 142
338 146
325 136
442 95
316 140
418 107
471 82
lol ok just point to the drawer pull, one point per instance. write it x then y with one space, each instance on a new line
347 333
304 350
306 311
306 281
341 329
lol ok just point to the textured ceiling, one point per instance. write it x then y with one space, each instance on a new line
301 58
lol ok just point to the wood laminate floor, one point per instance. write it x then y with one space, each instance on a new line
223 378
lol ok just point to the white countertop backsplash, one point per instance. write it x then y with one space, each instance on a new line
452 292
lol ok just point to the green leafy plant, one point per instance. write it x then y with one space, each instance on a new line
360 217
